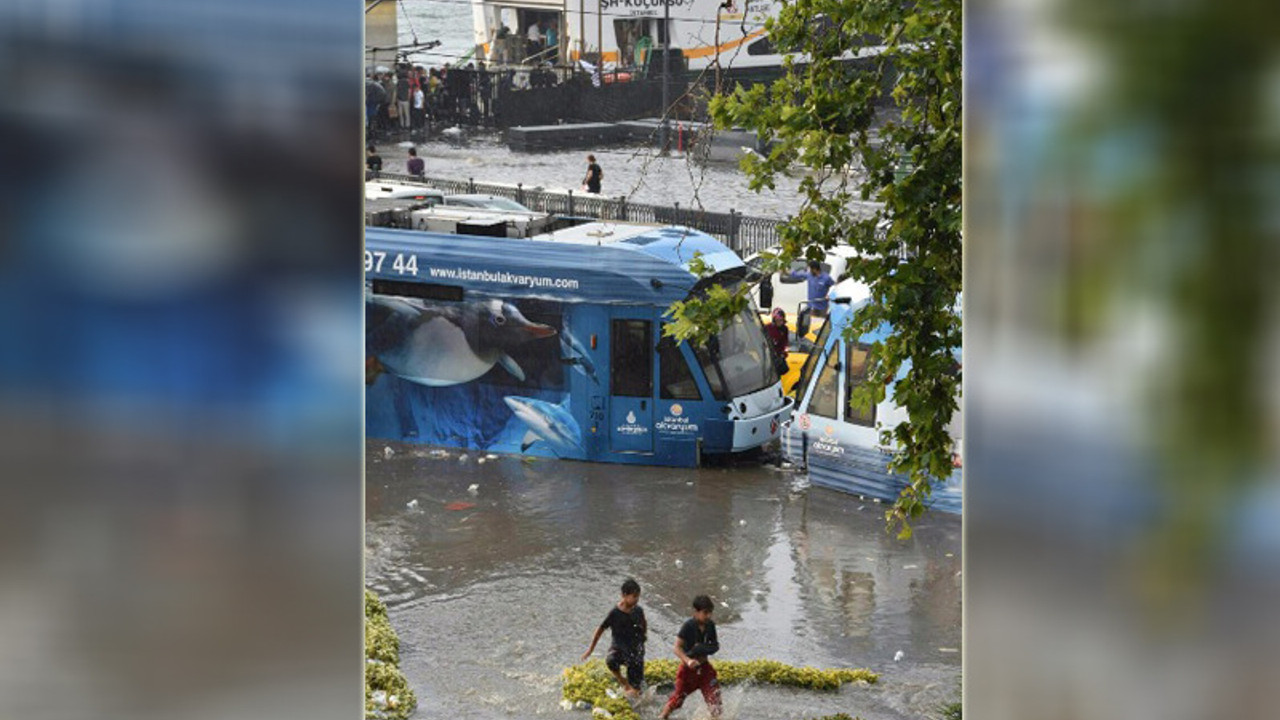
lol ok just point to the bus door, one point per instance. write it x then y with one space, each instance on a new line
631 356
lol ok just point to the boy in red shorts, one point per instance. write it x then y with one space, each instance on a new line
694 643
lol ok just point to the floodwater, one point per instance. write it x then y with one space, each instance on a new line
495 590
641 174
447 21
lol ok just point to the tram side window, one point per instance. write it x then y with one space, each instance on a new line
811 361
826 392
857 374
675 379
632 358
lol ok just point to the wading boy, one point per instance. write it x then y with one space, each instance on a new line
630 629
694 643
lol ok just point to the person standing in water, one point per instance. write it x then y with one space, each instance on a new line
695 642
594 176
630 629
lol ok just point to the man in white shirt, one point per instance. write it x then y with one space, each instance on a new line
535 37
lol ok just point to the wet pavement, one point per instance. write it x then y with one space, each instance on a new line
494 590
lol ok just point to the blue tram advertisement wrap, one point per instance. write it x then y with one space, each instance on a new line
553 346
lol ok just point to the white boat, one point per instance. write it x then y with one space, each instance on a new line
624 33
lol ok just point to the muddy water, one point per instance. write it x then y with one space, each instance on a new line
640 174
495 591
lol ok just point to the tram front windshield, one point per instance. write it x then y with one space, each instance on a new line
736 360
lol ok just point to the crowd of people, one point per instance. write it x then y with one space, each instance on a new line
409 99
412 99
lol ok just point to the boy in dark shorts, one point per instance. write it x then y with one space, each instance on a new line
694 643
629 627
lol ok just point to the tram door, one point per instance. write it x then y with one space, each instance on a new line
631 354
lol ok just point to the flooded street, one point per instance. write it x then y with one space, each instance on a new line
641 174
497 571
494 591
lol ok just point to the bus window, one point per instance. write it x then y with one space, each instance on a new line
826 392
857 377
632 358
675 380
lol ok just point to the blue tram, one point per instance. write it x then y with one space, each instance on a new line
553 346
837 440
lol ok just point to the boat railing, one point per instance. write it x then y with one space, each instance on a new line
541 56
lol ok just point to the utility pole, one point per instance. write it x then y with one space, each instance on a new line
666 69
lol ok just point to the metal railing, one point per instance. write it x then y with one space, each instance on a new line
744 234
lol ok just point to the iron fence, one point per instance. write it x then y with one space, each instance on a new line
744 234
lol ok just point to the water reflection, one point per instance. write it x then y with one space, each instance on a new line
496 588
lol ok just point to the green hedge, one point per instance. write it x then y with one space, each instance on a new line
386 692
591 682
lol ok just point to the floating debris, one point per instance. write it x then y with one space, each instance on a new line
898 656
724 588
910 567
949 650
412 504
459 506
474 488
742 523
387 452
862 507
462 457
481 460
679 563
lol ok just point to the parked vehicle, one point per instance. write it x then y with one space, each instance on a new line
377 190
490 202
